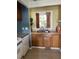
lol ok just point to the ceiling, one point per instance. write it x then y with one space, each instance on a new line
40 3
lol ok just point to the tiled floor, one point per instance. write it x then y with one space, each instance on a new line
36 53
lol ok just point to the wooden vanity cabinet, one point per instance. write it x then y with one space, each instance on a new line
46 40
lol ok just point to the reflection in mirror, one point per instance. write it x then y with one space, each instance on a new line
42 20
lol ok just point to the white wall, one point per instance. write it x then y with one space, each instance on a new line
39 3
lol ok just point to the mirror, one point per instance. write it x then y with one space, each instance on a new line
43 20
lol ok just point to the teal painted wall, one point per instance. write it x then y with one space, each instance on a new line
23 25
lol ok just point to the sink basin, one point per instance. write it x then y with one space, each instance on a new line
43 31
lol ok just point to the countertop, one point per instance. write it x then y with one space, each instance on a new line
20 38
45 33
22 35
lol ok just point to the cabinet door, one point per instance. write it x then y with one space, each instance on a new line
40 40
59 40
51 40
19 51
47 40
25 45
55 41
37 40
34 40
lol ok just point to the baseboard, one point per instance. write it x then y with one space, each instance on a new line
54 48
30 48
38 47
45 47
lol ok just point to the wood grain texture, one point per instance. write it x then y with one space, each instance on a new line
19 11
37 40
55 41
46 40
